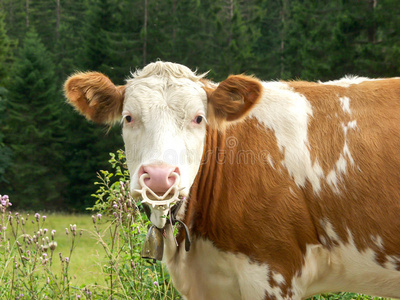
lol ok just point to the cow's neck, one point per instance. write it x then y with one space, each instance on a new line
240 179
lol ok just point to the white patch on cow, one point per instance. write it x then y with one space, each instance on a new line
286 113
377 240
346 152
341 164
278 278
344 268
206 273
347 81
292 192
352 124
335 175
270 160
345 103
332 180
392 263
329 230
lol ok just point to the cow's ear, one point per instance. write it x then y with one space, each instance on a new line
233 99
95 96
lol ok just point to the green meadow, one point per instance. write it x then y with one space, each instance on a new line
87 257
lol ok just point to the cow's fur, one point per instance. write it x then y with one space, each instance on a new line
293 187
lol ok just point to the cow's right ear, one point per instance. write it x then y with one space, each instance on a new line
95 96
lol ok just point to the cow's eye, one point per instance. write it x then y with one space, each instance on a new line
128 119
198 119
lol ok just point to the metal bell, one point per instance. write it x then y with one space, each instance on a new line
153 246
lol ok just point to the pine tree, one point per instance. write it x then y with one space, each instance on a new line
35 129
5 51
5 151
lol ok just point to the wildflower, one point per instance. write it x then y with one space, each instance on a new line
44 218
99 216
66 231
78 296
155 283
45 230
48 280
94 219
3 202
5 197
37 216
44 255
115 206
53 245
67 259
115 214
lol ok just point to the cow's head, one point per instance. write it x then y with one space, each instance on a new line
164 110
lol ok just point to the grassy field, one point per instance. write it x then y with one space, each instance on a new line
88 255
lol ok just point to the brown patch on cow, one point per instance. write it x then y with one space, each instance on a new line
232 99
367 205
229 198
326 122
95 96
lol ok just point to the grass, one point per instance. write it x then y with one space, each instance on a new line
87 258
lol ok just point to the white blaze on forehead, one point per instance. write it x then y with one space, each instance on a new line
287 114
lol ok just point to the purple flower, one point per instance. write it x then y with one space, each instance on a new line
44 218
155 283
45 230
67 259
115 206
99 216
5 197
3 202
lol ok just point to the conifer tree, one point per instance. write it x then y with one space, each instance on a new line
35 128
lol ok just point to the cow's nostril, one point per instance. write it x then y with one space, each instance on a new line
160 177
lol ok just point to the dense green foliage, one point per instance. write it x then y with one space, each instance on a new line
49 155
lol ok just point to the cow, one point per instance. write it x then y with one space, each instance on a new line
287 189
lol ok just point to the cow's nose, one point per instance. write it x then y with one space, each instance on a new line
160 177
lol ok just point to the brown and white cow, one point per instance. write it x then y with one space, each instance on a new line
292 188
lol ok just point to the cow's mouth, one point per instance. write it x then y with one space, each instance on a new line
160 200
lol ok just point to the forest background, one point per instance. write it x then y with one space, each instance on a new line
49 155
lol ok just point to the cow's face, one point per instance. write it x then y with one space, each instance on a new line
164 110
164 123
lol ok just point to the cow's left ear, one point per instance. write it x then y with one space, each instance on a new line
95 96
233 98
